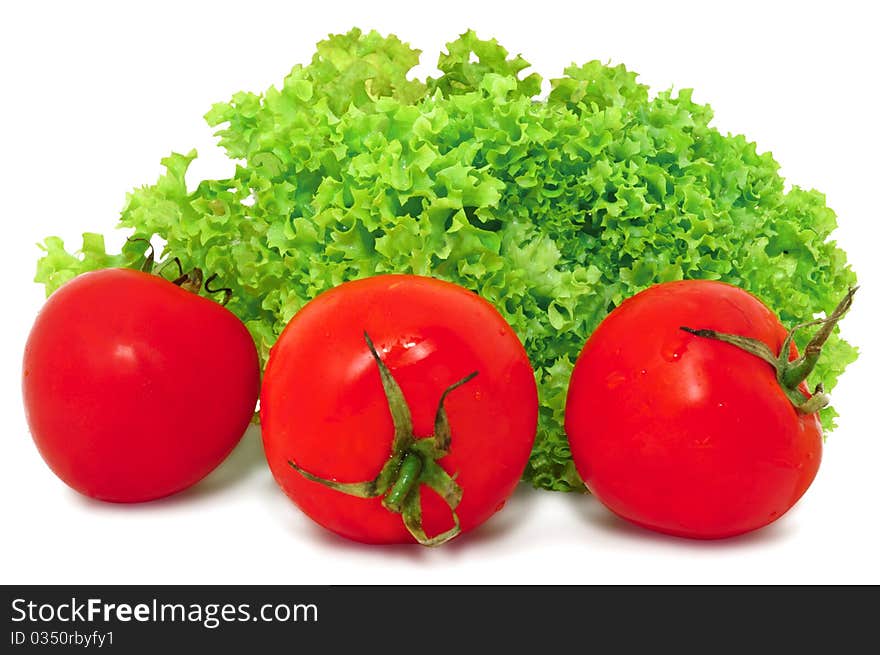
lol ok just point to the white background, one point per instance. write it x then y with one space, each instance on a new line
93 96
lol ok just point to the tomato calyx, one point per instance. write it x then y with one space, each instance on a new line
413 462
192 280
790 374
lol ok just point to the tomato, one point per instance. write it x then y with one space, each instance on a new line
135 388
688 435
326 409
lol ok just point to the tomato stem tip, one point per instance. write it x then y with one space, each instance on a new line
149 254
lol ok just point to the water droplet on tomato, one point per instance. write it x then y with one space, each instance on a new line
644 371
674 348
615 379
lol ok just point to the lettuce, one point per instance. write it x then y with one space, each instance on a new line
553 209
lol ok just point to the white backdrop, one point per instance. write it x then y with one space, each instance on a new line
92 96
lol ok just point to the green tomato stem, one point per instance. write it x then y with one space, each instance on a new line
790 374
407 479
800 368
412 463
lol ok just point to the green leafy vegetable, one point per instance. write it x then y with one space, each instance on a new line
553 209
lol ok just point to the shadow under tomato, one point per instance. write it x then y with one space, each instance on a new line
244 462
497 527
588 508
502 523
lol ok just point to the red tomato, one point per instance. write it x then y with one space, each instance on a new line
684 434
323 406
135 388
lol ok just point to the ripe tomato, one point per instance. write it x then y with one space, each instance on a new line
689 435
135 388
325 409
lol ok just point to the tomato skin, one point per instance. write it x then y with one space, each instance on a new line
323 406
687 435
134 388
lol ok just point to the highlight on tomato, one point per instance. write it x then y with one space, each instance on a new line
688 411
398 409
